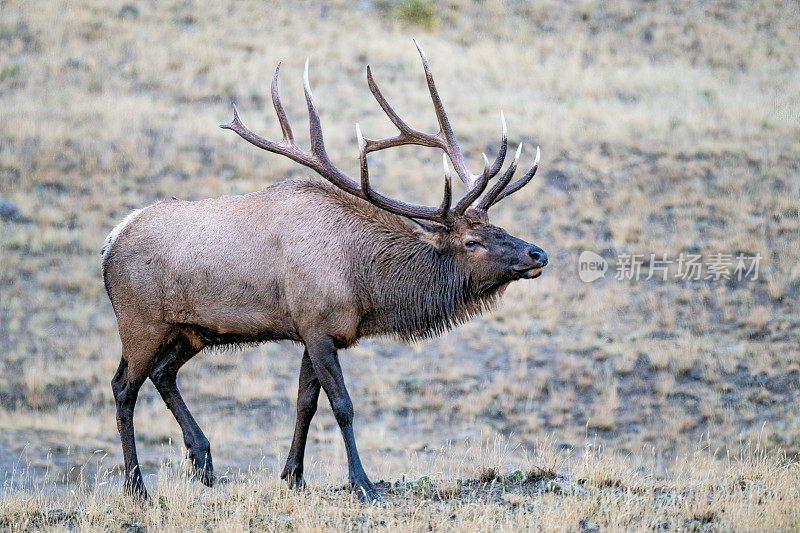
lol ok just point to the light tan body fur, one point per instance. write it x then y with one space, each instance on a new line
256 267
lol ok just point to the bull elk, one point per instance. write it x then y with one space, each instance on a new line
322 264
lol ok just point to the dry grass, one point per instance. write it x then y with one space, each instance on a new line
665 128
752 491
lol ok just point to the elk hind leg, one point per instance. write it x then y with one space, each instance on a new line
125 385
164 376
307 397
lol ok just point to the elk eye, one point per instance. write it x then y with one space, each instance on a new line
472 244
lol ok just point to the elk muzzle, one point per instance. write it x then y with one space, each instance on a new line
533 262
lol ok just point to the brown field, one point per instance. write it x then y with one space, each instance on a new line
665 128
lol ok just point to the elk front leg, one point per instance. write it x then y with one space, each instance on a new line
325 361
307 397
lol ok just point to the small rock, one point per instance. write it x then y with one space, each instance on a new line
609 253
8 210
75 62
128 11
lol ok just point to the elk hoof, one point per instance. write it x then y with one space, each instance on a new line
204 475
202 469
134 487
366 491
293 477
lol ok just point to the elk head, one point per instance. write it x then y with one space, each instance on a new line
490 256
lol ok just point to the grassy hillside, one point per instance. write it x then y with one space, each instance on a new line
664 128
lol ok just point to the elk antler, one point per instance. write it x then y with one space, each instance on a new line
318 160
501 189
444 139
442 214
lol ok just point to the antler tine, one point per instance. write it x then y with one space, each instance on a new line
444 208
476 191
362 159
441 214
317 159
520 183
444 139
407 135
238 126
487 201
501 155
445 130
315 127
288 138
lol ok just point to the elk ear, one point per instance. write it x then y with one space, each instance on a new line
433 234
427 226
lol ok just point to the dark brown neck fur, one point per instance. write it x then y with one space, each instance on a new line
405 285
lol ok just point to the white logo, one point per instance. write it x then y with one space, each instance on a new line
591 266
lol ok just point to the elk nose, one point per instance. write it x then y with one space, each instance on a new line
538 255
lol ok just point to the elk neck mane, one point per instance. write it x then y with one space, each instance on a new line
406 286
